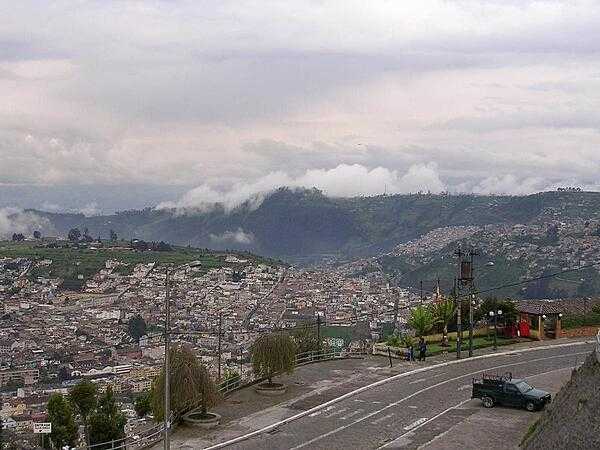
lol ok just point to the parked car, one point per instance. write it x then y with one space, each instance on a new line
508 391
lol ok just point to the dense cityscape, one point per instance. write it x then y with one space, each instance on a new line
300 225
51 338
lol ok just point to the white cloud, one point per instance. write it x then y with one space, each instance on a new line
235 237
15 220
192 93
509 184
91 209
341 181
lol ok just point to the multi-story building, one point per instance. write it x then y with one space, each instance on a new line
25 376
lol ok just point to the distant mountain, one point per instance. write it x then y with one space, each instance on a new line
306 226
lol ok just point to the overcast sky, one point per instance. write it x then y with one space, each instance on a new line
230 98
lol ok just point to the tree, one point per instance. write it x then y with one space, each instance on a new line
143 404
272 354
552 235
107 422
60 414
444 313
588 287
37 234
507 306
74 234
63 373
421 320
83 396
136 327
306 339
191 385
18 237
113 236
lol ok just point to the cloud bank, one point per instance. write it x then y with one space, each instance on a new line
341 181
238 97
15 220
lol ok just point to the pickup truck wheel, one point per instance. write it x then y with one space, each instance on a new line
488 402
530 406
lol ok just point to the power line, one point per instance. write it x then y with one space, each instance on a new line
531 280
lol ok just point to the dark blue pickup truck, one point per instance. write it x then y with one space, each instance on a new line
509 391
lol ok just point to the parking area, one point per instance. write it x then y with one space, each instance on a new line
498 428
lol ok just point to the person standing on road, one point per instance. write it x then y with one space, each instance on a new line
422 349
410 352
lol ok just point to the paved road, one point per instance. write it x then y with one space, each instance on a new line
410 412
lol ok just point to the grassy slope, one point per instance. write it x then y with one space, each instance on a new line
68 263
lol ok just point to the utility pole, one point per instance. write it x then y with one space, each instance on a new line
219 347
396 306
466 281
471 284
319 334
167 409
458 320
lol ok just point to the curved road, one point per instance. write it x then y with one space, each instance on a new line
410 411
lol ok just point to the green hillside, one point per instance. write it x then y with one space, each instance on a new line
305 225
68 263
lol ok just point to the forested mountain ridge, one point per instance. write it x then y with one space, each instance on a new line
305 225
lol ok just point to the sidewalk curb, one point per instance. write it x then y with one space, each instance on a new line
382 382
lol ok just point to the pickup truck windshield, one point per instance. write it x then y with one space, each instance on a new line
523 387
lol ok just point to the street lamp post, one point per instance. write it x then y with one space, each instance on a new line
167 405
495 315
167 409
471 306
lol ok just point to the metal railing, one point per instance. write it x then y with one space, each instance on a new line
155 434
311 357
598 346
140 440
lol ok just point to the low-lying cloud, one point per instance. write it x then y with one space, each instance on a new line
233 237
15 220
341 181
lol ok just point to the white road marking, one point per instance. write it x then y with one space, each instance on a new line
439 374
396 403
352 414
315 414
381 419
415 424
464 387
388 380
335 413
420 380
360 400
440 436
423 423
